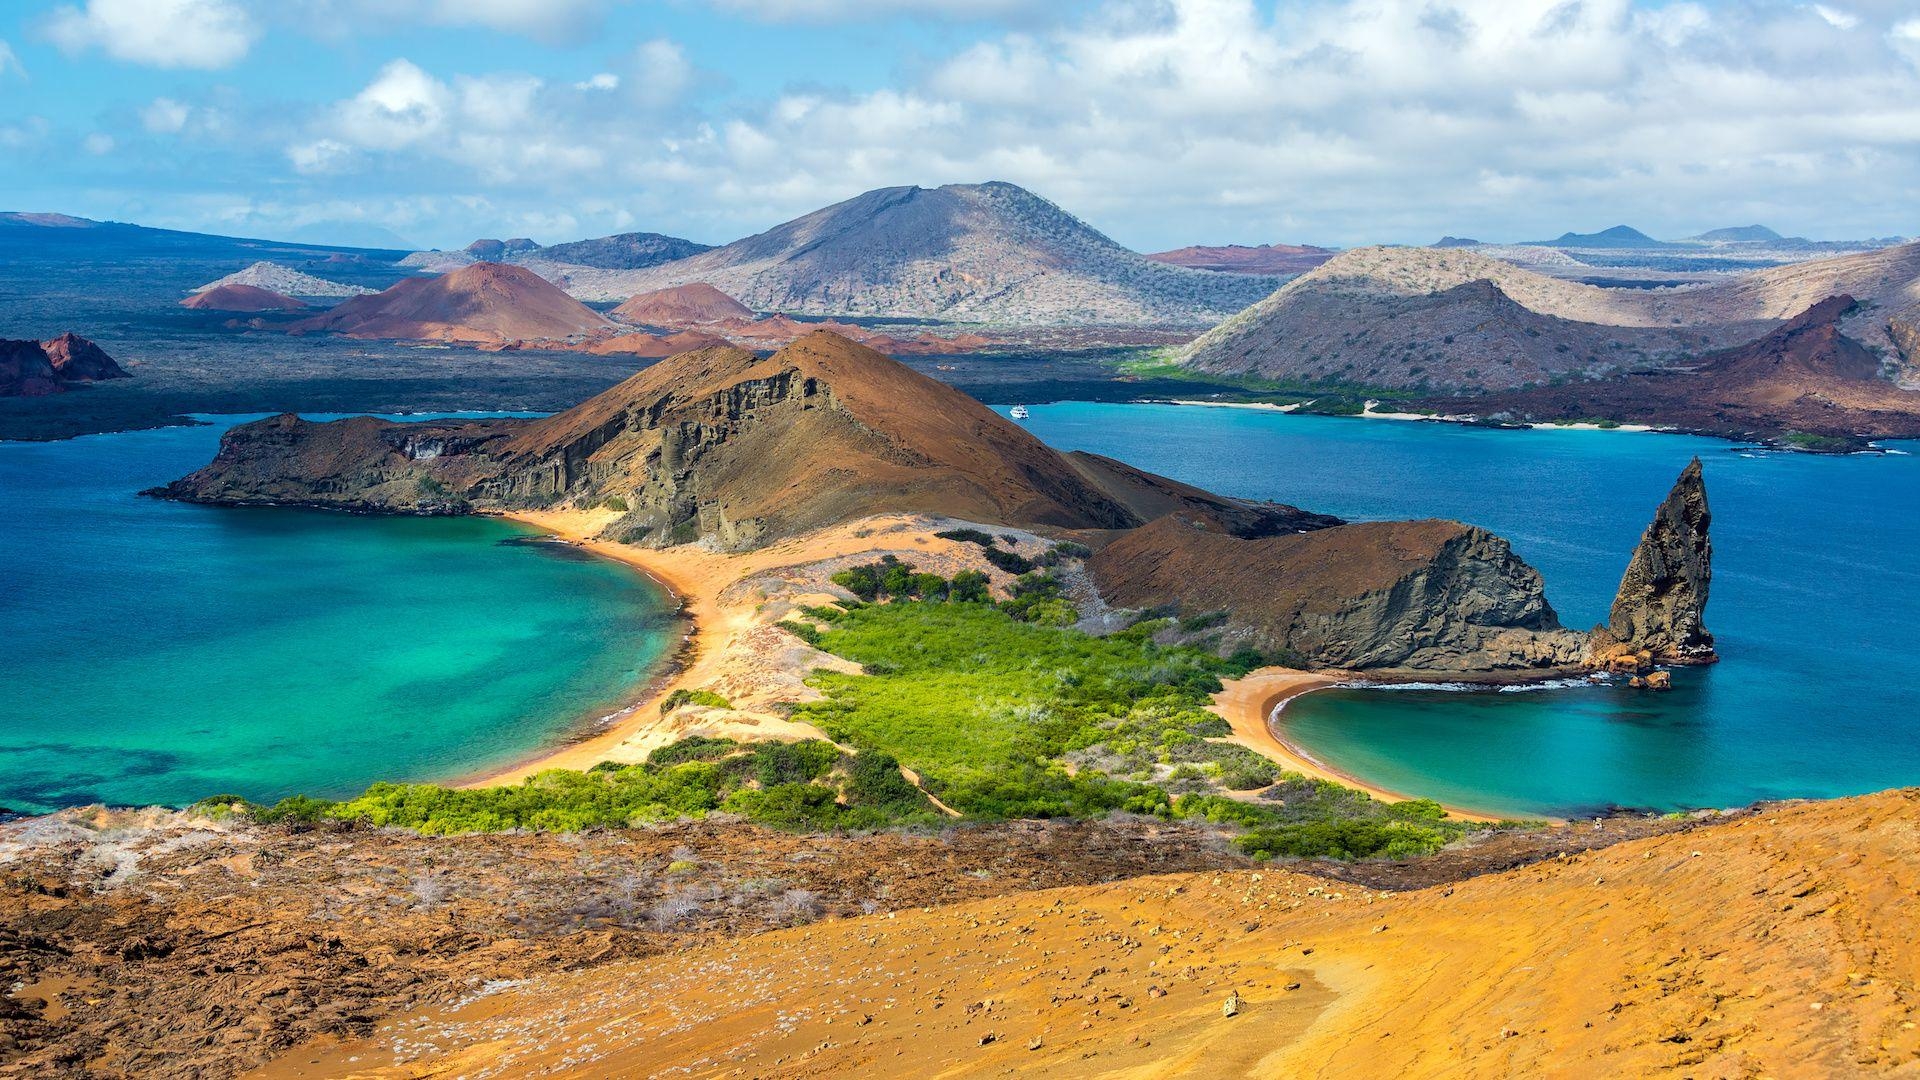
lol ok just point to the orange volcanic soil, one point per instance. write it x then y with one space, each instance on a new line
1778 944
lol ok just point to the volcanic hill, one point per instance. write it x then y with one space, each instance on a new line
991 253
242 298
1457 321
1806 377
682 307
486 303
738 452
273 277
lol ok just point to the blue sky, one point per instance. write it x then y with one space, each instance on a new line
1162 122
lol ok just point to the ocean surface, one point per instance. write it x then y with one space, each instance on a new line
1815 603
162 653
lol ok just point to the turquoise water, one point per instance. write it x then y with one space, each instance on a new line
160 653
1816 603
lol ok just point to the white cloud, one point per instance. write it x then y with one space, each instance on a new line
833 10
400 107
319 156
158 33
98 143
1905 37
1834 17
165 116
1178 121
9 62
661 73
547 20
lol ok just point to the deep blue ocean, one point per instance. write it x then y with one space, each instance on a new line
1815 603
162 653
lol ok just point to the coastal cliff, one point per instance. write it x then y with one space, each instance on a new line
736 452
1430 596
1661 606
720 446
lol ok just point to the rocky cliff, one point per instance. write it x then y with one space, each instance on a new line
716 444
737 451
1427 596
1662 602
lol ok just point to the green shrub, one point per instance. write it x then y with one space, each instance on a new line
806 632
685 696
967 536
969 587
1011 562
691 748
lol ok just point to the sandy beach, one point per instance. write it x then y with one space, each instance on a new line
732 645
1247 703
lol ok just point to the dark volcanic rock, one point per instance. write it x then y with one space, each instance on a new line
1662 602
1434 596
75 359
37 368
25 370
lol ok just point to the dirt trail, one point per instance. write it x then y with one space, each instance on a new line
1775 944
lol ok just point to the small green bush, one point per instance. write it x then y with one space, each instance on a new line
684 696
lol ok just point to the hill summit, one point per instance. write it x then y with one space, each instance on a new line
486 303
992 252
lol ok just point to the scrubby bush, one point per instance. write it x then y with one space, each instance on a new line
785 785
1010 561
969 587
685 696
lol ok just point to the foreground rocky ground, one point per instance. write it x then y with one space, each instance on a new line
1777 944
154 944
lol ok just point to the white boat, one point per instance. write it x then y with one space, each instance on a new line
1019 412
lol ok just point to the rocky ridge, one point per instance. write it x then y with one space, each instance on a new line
1807 377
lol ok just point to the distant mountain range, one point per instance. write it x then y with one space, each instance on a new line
1457 321
622 251
1238 259
992 253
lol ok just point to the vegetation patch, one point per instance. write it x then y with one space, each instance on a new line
809 785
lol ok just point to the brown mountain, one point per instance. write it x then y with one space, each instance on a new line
486 303
716 443
1275 259
38 368
738 451
242 298
682 307
1807 376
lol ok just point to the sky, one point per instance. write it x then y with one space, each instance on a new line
1161 122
